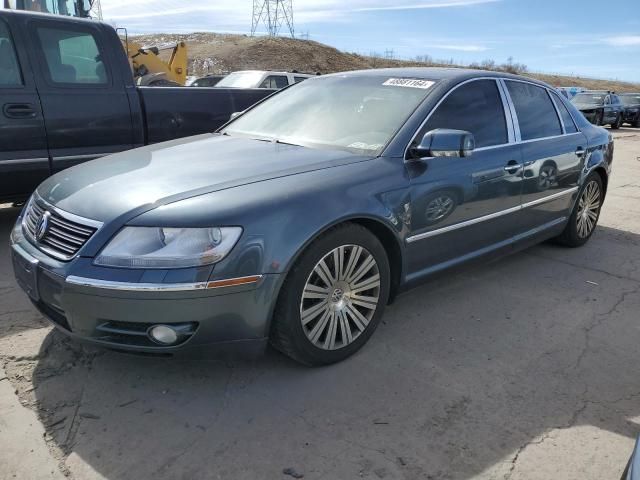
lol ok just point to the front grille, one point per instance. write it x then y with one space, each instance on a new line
61 238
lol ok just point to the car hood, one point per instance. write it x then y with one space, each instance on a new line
139 180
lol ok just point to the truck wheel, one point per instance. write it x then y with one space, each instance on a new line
586 212
599 119
333 297
616 125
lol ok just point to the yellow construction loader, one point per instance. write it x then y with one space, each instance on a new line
158 66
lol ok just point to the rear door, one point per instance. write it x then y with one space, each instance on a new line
24 160
461 207
553 152
84 102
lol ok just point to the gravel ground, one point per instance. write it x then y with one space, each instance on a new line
525 368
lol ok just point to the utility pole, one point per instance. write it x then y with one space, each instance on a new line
274 14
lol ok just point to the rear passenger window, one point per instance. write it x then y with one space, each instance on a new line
9 69
72 56
475 107
275 81
536 115
567 120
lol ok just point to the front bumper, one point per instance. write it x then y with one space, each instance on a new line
219 319
631 117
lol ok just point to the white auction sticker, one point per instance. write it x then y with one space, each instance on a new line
408 82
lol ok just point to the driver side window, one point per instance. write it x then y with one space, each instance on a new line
475 107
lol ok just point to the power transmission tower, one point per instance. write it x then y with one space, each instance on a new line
274 14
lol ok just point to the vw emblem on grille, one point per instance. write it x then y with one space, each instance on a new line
42 226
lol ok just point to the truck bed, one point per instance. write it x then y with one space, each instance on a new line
174 112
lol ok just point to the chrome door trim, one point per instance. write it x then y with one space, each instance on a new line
467 223
491 216
88 156
511 123
549 138
548 198
512 107
18 161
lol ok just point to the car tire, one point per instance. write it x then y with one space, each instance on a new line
599 119
326 325
579 228
617 124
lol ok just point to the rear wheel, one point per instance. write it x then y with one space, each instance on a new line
333 298
585 215
618 123
599 119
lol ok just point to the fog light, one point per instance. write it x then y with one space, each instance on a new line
163 334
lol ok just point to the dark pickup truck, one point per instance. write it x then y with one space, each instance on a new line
67 95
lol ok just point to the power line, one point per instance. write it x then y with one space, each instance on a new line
274 14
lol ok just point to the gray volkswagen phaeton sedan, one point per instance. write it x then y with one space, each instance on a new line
304 216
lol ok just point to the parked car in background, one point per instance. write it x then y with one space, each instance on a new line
261 79
631 103
207 81
305 215
600 108
67 95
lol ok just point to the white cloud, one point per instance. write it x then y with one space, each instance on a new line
167 16
623 41
461 48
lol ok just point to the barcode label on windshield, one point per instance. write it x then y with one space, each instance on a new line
408 82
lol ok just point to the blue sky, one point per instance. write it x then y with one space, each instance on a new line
585 37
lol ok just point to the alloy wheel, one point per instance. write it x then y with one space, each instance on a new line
588 209
340 297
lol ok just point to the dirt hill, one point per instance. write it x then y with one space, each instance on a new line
219 53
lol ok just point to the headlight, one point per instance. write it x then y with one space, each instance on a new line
151 247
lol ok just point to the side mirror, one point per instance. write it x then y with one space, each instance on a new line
235 115
445 142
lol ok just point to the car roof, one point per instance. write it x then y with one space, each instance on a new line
273 72
437 73
66 18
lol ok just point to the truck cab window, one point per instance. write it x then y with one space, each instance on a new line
275 81
72 57
9 70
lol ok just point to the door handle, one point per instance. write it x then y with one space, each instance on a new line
580 151
512 167
19 110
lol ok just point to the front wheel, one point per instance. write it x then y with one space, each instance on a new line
585 215
333 297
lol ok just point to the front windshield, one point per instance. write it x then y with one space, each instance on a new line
355 113
589 98
630 98
240 80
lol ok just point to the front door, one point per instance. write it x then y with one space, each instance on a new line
24 160
84 102
462 207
